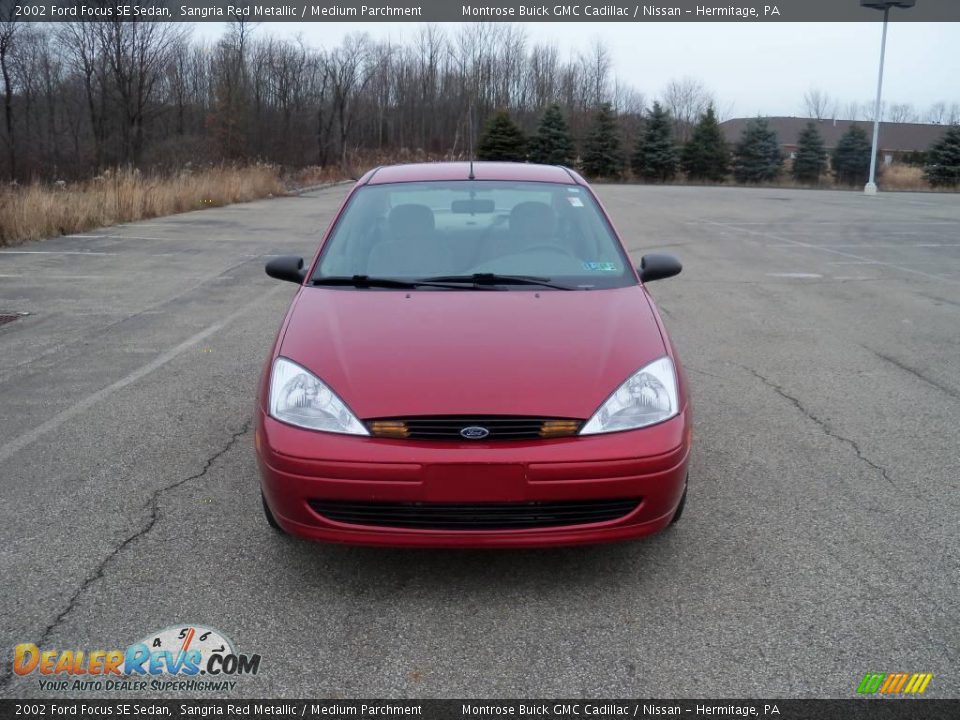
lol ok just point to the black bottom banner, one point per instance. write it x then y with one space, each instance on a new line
892 709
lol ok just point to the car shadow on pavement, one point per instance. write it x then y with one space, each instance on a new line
522 570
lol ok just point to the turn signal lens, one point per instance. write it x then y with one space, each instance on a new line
559 428
389 429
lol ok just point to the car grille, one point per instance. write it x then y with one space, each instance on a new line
474 516
452 427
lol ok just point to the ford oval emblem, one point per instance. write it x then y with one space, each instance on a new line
474 432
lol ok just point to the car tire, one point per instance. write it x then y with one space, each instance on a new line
679 512
271 520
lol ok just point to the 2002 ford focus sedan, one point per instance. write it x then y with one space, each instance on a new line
471 360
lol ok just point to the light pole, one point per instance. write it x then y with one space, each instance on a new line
885 5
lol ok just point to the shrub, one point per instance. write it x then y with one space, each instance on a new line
553 144
602 156
757 157
502 140
851 157
706 156
943 160
811 160
655 156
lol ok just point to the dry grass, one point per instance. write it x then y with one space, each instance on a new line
42 210
315 175
903 177
891 178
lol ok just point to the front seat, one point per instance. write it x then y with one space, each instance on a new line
413 248
531 224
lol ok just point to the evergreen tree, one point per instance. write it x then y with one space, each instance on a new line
655 156
502 140
706 156
602 156
811 159
552 145
851 157
757 157
943 160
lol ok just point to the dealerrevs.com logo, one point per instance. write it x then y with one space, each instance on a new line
180 657
897 683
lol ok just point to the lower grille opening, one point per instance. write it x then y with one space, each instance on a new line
474 516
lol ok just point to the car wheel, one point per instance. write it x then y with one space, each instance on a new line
271 520
679 512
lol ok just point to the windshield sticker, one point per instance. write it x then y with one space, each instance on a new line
600 266
575 201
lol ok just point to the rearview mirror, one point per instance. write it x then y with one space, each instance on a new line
657 267
286 267
472 207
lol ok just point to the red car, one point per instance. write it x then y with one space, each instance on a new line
472 361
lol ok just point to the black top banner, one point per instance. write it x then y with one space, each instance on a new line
489 709
478 10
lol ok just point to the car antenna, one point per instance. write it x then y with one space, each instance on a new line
471 176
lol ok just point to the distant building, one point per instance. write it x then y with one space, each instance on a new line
896 139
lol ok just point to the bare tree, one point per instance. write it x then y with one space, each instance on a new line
8 33
81 41
596 71
431 47
937 113
137 53
902 113
686 99
853 111
543 72
350 72
818 104
869 110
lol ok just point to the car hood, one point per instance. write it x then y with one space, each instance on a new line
550 353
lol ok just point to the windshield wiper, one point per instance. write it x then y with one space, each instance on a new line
487 279
367 281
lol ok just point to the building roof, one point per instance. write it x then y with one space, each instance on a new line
424 172
894 137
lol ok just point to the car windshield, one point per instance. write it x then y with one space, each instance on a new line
475 230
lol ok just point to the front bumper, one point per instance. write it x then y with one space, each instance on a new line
298 466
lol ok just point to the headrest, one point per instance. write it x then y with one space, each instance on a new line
532 218
411 220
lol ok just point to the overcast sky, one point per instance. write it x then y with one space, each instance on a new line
752 68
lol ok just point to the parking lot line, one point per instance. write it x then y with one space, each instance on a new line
811 246
25 439
55 252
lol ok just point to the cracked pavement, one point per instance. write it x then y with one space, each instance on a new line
819 542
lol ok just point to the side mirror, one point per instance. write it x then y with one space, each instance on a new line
287 267
657 267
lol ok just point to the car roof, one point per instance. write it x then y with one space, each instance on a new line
426 172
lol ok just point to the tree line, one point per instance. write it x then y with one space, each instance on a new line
706 156
83 97
820 105
80 97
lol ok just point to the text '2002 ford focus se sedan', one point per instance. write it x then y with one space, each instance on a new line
471 360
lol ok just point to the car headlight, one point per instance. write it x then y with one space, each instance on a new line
649 396
300 398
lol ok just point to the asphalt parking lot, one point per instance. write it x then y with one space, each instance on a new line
821 336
